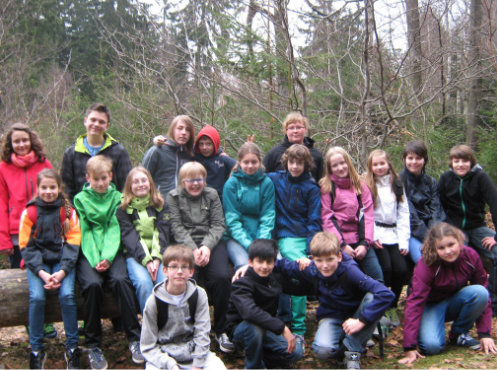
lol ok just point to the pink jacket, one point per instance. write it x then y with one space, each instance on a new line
345 210
17 187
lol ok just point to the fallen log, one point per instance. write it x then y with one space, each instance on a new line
14 301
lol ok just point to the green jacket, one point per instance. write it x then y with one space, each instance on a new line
196 221
100 232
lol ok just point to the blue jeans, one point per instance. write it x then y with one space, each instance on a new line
474 236
330 335
139 276
415 249
370 265
37 308
237 253
263 348
463 308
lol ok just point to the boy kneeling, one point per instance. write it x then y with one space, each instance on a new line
176 322
251 320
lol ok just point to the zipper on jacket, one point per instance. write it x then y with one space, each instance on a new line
463 206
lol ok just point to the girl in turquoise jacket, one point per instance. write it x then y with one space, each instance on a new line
248 201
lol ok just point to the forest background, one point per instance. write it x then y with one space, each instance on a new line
368 74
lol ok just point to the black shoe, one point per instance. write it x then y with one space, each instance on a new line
37 360
72 357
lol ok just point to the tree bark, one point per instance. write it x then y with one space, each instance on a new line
414 39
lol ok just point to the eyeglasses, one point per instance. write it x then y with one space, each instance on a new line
295 128
199 180
175 268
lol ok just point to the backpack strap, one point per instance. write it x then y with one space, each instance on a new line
163 309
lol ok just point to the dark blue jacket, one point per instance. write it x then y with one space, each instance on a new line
336 300
218 170
298 205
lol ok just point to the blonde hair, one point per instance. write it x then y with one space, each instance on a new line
191 169
49 173
370 178
98 164
325 181
435 234
324 243
178 252
155 196
248 148
295 117
189 126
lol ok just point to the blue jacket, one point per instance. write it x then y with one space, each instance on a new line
335 300
248 202
298 205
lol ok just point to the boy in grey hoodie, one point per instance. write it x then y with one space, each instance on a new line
182 339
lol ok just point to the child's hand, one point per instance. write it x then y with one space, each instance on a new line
488 345
159 140
360 252
348 249
102 266
411 357
488 242
250 138
404 252
290 338
377 244
239 273
351 326
202 256
45 276
152 270
303 263
59 275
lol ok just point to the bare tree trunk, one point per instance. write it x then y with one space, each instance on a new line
414 39
474 92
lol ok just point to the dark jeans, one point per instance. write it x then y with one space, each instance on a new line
92 285
217 281
15 259
394 267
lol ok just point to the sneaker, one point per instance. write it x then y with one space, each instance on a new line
37 360
370 343
465 340
136 355
97 359
353 360
299 339
49 331
225 344
72 357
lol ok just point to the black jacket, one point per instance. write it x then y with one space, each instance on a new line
425 208
272 160
130 238
464 199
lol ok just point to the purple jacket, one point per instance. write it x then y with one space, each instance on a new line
440 281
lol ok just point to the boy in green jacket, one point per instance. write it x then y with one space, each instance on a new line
101 262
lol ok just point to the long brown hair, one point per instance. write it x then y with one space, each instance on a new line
325 181
370 178
189 126
435 234
36 144
156 199
49 173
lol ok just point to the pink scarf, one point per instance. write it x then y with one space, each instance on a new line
24 161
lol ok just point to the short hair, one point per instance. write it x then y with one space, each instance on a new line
189 126
97 164
98 107
178 252
264 249
190 169
36 144
295 117
435 234
297 152
417 147
463 152
324 243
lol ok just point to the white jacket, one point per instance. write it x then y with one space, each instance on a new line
388 211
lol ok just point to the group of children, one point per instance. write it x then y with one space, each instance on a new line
358 231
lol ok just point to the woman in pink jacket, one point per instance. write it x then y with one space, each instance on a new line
23 157
347 210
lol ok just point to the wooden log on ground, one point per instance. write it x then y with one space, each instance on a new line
14 301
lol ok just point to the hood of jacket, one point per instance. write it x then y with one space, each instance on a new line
212 134
250 179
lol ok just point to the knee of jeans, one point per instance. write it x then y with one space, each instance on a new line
66 297
324 353
480 292
37 297
431 347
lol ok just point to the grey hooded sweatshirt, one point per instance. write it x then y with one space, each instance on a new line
181 340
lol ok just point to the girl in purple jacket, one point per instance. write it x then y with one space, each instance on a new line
441 293
347 210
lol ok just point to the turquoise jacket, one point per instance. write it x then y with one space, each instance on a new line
248 202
